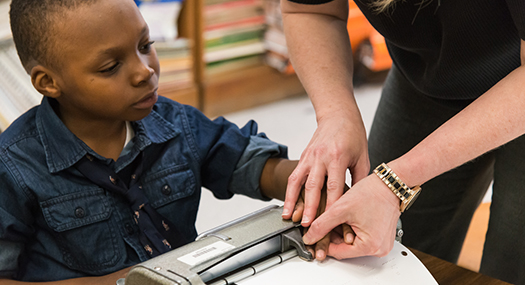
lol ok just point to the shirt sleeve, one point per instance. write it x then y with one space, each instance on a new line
15 218
517 10
227 152
247 175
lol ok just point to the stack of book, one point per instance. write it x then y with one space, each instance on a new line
233 34
274 40
17 94
176 64
174 52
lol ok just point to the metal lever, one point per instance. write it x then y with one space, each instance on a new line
293 238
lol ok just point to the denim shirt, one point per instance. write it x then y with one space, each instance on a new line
55 224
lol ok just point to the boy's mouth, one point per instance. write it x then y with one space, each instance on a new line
147 101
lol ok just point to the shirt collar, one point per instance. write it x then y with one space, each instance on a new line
63 149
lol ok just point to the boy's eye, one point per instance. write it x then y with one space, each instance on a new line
110 69
147 47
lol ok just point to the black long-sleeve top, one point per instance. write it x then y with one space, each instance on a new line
450 49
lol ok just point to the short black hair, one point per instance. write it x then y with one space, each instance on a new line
32 27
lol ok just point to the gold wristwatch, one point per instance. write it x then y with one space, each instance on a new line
406 194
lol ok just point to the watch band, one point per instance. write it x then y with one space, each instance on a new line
406 194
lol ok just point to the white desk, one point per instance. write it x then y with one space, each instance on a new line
401 266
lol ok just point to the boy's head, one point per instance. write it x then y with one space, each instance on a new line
93 56
32 25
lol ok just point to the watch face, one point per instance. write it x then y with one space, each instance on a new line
413 198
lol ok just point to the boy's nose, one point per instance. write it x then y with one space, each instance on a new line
142 72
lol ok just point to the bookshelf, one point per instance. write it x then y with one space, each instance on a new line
187 29
230 86
224 87
250 84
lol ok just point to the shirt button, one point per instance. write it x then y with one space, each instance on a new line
129 229
79 212
166 190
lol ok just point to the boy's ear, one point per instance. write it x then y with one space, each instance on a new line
45 82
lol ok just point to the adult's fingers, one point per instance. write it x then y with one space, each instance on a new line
293 189
360 170
360 248
322 226
312 194
335 183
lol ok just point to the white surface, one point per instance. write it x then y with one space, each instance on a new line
395 268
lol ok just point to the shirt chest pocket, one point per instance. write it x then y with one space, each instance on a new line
169 185
172 192
83 229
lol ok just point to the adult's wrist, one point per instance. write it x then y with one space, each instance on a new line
335 103
406 172
406 195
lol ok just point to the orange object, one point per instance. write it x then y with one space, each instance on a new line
368 46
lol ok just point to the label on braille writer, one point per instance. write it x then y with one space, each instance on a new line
205 253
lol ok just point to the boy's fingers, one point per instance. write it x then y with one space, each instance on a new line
298 211
321 248
348 234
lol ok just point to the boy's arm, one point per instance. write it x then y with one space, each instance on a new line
274 177
110 279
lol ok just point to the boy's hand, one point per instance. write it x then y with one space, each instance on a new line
274 181
320 249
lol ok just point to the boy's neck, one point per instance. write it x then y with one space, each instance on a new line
107 141
104 137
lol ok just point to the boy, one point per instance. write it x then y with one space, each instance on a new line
105 174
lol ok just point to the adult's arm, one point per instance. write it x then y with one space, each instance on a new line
492 120
320 51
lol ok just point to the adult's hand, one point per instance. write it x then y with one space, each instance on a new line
371 210
320 249
319 46
339 143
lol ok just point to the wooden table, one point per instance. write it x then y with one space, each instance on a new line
447 273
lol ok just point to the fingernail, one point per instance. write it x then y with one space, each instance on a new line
286 212
320 255
305 220
306 239
349 238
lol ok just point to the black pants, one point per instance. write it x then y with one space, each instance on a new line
438 221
